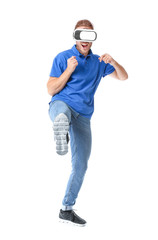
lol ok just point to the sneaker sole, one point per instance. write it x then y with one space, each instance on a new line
71 223
61 128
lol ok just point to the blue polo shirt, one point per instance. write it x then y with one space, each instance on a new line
79 91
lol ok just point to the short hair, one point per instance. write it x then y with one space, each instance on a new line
85 23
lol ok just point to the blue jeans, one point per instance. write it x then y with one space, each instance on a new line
80 142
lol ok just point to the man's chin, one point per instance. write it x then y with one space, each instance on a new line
84 52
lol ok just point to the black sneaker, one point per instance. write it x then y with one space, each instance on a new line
71 217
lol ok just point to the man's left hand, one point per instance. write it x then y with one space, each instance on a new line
107 59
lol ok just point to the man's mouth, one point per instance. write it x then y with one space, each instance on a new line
84 45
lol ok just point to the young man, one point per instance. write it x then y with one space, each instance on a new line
74 78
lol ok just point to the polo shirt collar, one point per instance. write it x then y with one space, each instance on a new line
74 49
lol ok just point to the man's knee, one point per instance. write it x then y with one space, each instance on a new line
58 107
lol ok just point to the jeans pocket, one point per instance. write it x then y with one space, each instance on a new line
50 106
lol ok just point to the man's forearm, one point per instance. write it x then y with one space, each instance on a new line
120 71
55 85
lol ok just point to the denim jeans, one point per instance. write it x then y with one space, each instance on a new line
80 142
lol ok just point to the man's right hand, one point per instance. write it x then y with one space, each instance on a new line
72 64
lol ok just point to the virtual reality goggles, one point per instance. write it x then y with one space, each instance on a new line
84 35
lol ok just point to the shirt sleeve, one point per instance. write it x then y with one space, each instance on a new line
58 66
108 69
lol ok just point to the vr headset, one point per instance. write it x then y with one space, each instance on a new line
84 35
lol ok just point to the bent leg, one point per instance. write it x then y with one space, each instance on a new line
60 114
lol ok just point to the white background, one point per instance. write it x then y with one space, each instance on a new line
119 196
